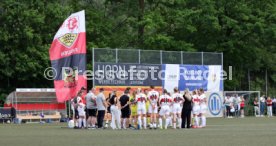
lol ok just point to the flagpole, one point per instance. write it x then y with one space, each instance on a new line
93 59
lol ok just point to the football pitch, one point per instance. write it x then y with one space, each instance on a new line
249 131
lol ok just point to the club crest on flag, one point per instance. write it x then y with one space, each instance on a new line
68 39
72 25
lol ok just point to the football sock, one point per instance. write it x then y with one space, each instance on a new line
145 122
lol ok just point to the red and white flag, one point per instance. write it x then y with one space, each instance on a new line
68 57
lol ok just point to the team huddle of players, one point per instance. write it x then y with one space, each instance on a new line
145 107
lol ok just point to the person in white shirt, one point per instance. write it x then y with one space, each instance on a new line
164 101
203 107
262 105
196 108
82 115
153 97
74 107
236 103
177 101
115 110
141 100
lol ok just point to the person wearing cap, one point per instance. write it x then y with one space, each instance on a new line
101 107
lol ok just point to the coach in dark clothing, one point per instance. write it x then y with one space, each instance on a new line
186 110
125 109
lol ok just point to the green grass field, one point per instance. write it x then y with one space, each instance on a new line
220 132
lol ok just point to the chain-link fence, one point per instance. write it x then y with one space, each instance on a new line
156 57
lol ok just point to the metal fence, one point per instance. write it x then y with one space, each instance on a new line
107 55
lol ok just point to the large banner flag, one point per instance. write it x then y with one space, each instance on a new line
68 57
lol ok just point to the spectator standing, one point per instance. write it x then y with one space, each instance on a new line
256 107
101 106
262 105
274 105
228 103
242 104
237 102
115 111
91 108
269 106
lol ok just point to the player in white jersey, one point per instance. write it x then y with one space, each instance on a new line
82 115
177 101
153 107
141 100
203 108
196 108
165 102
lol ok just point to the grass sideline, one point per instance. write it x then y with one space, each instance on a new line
249 131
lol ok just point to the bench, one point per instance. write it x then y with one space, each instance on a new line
33 118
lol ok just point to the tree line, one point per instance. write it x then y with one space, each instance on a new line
244 30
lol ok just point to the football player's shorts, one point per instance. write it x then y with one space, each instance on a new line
203 108
176 109
153 110
196 109
165 110
141 110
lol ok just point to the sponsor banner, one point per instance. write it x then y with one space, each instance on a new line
215 105
5 113
192 77
172 76
107 74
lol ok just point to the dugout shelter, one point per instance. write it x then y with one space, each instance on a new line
36 105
